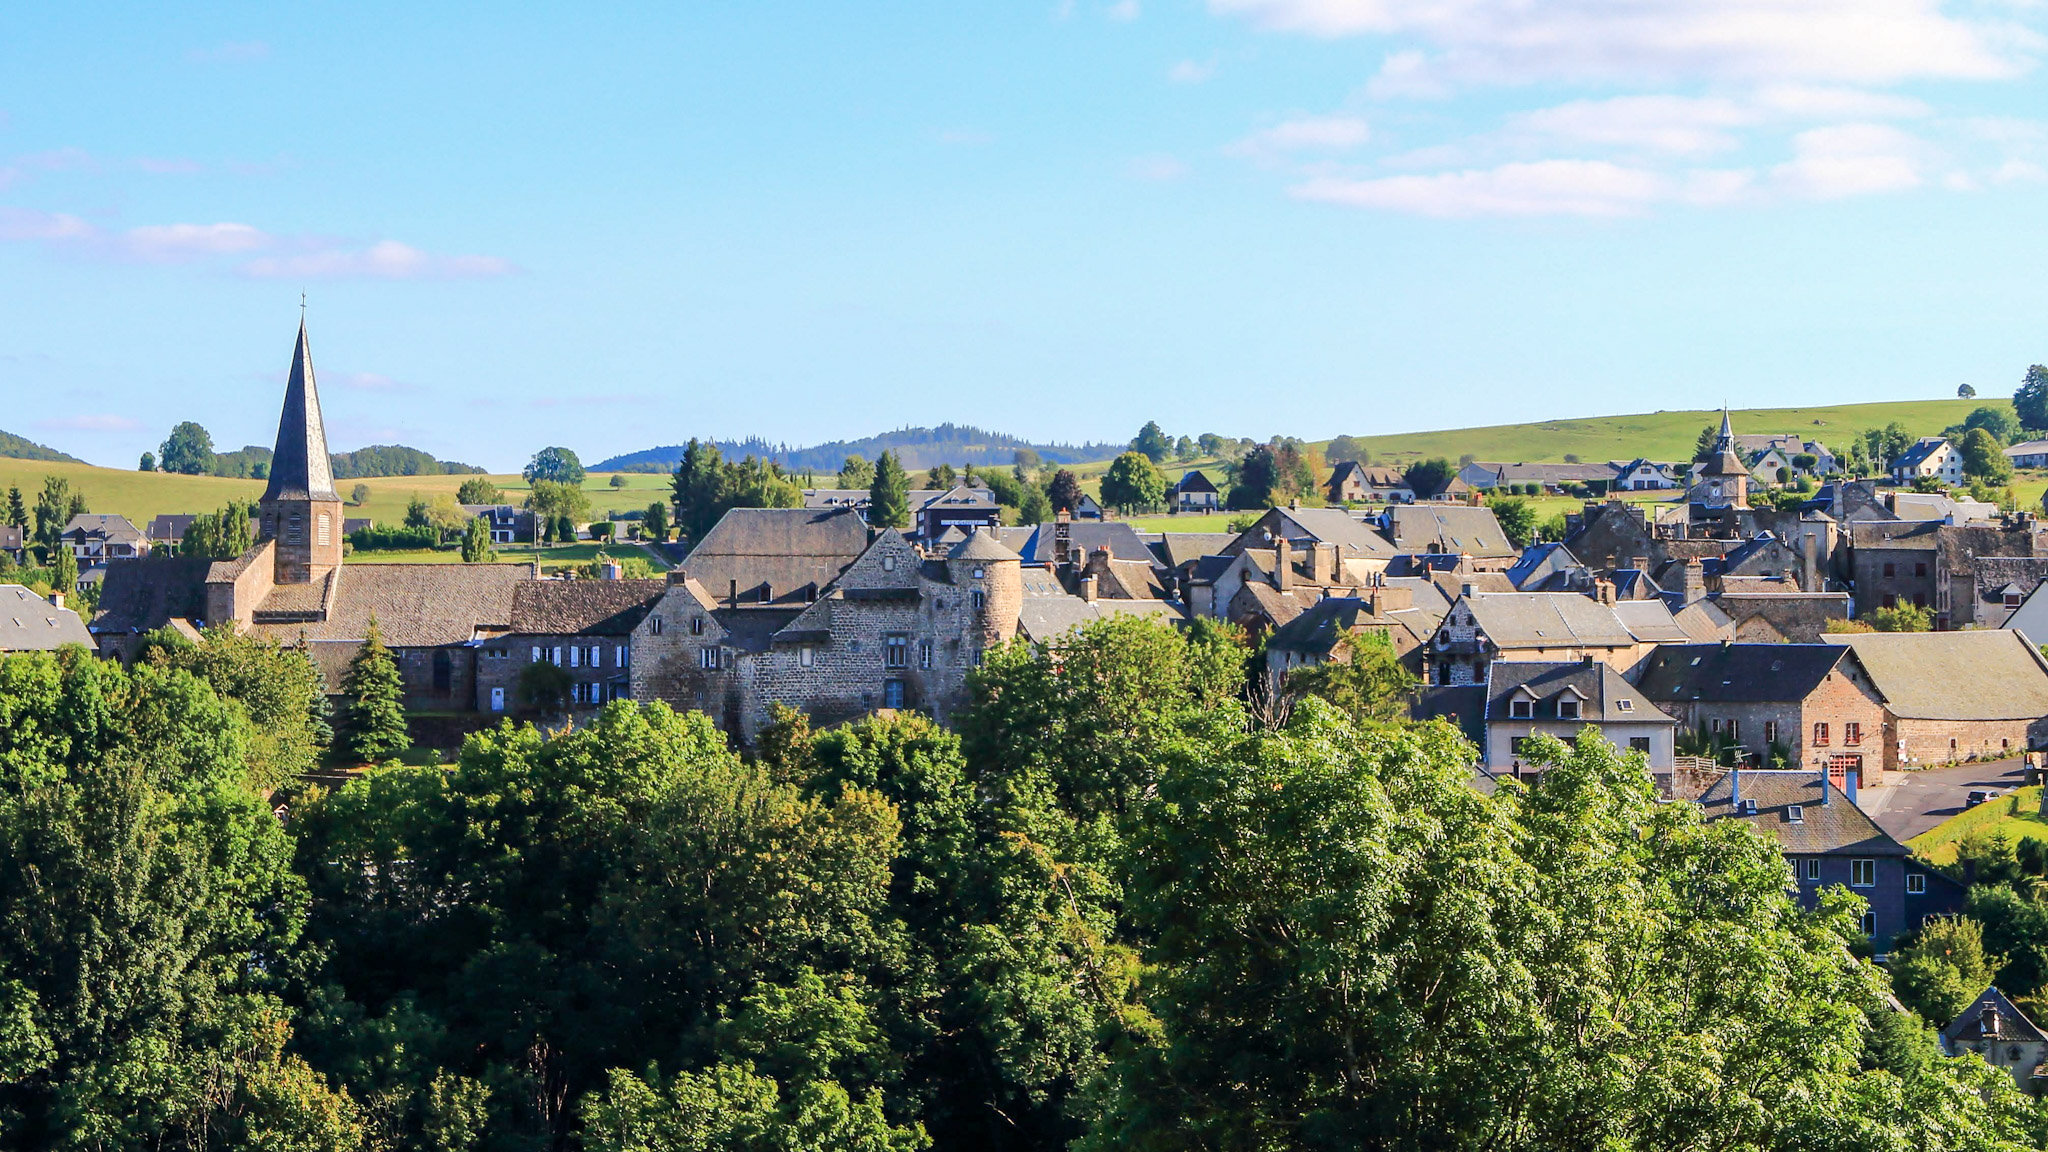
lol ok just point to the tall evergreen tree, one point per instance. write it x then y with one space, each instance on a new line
476 543
889 496
63 571
17 511
655 525
373 720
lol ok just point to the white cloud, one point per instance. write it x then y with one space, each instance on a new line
192 241
90 422
1190 72
1307 134
1852 160
1156 168
1515 41
1124 11
1677 125
28 224
1539 188
384 260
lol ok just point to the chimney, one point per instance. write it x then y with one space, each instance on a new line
678 576
1283 564
1322 563
1809 563
1639 563
1692 585
1603 591
611 570
1088 588
732 593
57 599
1823 783
1467 588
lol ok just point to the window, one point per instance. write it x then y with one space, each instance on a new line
620 653
555 655
536 654
1625 705
889 562
707 659
804 657
766 595
2012 599
696 625
1820 733
1747 807
1520 709
1870 923
1639 744
320 531
978 572
296 530
1862 873
654 625
1795 814
896 652
1916 884
979 597
892 694
1888 568
1717 725
1891 601
1567 709
1852 733
575 656
444 671
1813 867
1770 731
1919 569
596 656
1734 728
974 658
924 653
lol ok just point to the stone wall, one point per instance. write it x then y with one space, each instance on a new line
1841 699
1919 743
500 664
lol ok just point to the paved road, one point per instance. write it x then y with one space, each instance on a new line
1923 799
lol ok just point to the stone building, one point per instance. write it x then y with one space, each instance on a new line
895 629
1723 482
1560 699
1981 694
1811 704
583 627
1993 1027
1549 627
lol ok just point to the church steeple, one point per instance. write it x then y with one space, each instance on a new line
299 467
299 513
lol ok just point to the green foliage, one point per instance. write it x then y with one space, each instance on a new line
188 450
1345 448
221 535
475 490
889 495
64 571
476 542
1151 442
654 525
1703 445
1984 458
557 464
543 688
1887 444
1517 519
151 912
552 502
1132 483
282 692
378 538
1269 474
56 504
360 494
1966 392
856 473
1943 968
1370 687
391 460
147 463
1035 507
1902 618
20 448
941 476
373 718
705 487
2031 400
17 511
1429 477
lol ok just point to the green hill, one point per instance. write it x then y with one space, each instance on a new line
1665 435
15 447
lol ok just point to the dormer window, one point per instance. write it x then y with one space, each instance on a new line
1567 709
1521 708
1624 705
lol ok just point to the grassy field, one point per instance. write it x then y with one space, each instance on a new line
2014 817
552 559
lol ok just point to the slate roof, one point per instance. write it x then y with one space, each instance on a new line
1650 622
106 526
1195 481
1119 537
416 605
1333 620
2028 448
1985 674
1738 673
1920 450
1603 694
1330 526
1918 534
1177 548
299 466
2012 1023
29 623
1448 528
1547 620
981 546
1836 828
1538 560
1464 705
582 607
789 549
1044 618
145 594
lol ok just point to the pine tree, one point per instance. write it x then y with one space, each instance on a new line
889 496
63 571
476 543
373 719
17 510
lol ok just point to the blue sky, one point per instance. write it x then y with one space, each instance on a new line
610 229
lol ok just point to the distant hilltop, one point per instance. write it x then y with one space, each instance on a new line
21 449
914 448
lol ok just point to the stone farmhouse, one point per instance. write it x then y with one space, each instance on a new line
1356 483
1981 694
1993 1027
1812 705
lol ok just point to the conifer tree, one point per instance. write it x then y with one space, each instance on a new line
476 543
17 510
63 570
889 496
373 719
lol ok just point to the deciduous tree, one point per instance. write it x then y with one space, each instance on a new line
189 449
1133 483
557 464
475 490
1064 491
1152 441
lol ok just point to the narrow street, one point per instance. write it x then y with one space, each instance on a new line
1920 800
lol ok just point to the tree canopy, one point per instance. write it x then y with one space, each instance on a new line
1152 442
2031 400
188 449
1132 482
557 464
889 495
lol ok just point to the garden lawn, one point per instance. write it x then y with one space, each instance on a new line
2013 817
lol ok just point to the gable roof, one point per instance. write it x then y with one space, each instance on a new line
1547 620
1195 481
586 607
1333 620
1650 622
1985 674
1177 548
1603 693
29 623
1538 560
415 605
1739 673
1921 449
1086 536
1447 528
788 549
1837 827
2012 1023
1327 525
145 594
107 526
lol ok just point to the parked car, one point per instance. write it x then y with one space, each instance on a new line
1980 795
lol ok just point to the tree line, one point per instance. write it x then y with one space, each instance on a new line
1122 904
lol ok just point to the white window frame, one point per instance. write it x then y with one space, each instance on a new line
707 659
1813 867
1572 704
1916 884
536 655
804 656
575 656
1863 873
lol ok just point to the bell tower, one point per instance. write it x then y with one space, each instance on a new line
299 509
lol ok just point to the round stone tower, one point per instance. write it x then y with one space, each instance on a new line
992 578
